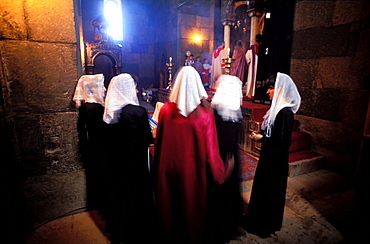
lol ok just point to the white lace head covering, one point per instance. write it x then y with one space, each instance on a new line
90 89
285 95
187 90
121 92
228 98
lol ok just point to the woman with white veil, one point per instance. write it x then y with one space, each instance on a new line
89 97
225 200
128 138
266 206
186 155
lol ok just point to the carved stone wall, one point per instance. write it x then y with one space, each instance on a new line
39 71
329 65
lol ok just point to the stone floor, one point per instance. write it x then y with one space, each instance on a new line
318 210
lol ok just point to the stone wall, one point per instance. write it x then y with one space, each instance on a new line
39 71
330 64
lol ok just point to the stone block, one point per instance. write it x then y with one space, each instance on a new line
350 11
188 32
42 75
151 49
311 14
361 61
337 141
51 20
48 197
131 68
130 58
353 107
12 20
202 22
204 34
303 71
147 37
320 103
327 103
61 142
188 20
305 166
139 48
335 72
140 17
141 30
146 70
31 145
321 42
147 58
306 101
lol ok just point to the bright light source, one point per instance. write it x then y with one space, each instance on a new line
197 38
268 15
113 14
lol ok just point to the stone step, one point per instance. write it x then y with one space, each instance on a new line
305 161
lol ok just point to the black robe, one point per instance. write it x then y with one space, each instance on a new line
225 202
91 129
131 196
266 207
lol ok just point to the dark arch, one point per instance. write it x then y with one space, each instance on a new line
105 63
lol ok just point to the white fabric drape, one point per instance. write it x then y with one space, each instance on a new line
285 95
228 98
157 109
121 92
217 66
187 90
90 89
252 61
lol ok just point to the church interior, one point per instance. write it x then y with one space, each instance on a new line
46 46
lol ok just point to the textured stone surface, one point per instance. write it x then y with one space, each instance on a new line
12 20
321 42
335 72
52 196
61 142
350 11
339 142
146 70
306 166
320 103
42 75
310 14
361 61
31 145
49 20
353 107
330 66
303 71
48 143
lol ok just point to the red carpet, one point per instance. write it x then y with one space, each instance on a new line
247 166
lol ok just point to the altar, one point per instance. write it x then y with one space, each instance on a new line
163 95
252 119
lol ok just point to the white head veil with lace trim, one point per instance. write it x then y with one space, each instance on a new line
228 98
285 95
121 92
90 89
187 90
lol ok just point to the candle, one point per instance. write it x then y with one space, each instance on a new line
228 52
170 59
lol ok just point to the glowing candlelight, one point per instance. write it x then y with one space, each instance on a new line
228 52
170 59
